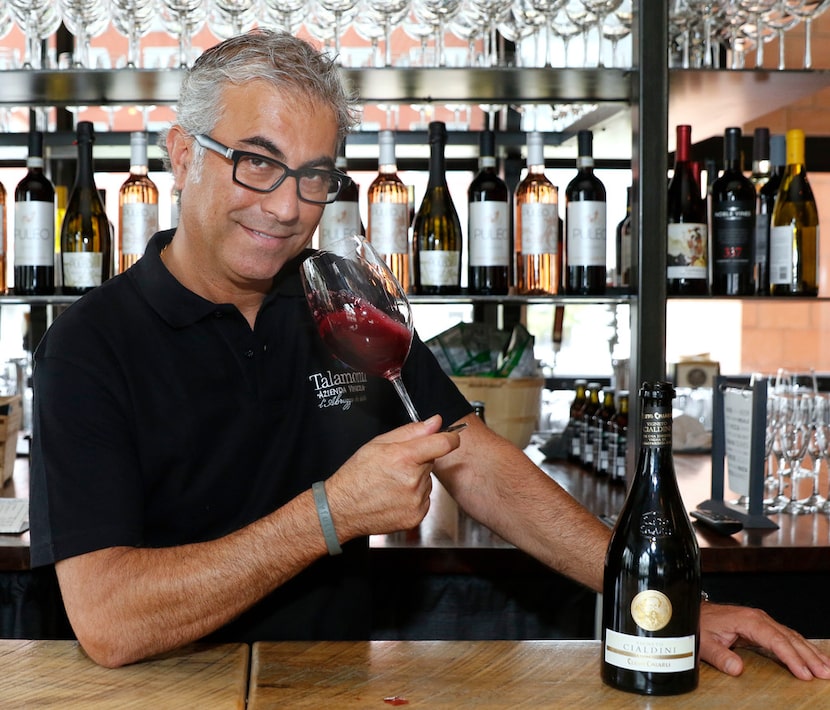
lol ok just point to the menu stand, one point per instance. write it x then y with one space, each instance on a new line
752 518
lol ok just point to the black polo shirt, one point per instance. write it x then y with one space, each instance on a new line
162 419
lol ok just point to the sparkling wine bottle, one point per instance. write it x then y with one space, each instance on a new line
389 221
686 258
652 585
794 231
341 218
86 241
138 205
437 231
488 225
34 226
765 207
585 224
733 224
538 258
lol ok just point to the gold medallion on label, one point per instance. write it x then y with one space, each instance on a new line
651 610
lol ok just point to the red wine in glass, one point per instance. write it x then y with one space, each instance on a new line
361 310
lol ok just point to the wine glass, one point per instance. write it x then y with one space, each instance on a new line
361 310
133 19
228 18
794 435
38 20
391 13
182 19
85 19
807 10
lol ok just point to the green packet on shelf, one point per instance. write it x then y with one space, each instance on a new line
483 350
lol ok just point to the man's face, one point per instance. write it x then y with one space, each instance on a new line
238 237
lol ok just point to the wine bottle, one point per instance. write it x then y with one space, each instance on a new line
765 206
794 230
538 237
175 198
622 272
437 230
341 218
574 419
586 432
138 205
34 226
389 221
585 224
733 224
652 588
3 239
761 171
86 242
600 440
488 272
618 440
687 270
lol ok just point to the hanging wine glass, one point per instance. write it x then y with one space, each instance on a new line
369 26
182 19
340 10
85 19
807 10
228 18
600 9
38 20
755 26
780 20
566 30
617 27
133 19
521 24
420 30
391 13
437 13
286 15
487 13
584 19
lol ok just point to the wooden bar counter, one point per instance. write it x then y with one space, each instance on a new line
495 674
39 674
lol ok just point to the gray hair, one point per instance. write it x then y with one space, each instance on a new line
279 58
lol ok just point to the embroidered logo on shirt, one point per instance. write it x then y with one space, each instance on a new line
338 389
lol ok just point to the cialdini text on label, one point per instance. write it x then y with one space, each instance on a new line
670 654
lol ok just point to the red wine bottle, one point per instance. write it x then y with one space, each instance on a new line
733 224
652 585
34 226
624 246
488 272
766 204
585 224
437 230
686 263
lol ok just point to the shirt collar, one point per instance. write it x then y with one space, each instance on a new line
179 306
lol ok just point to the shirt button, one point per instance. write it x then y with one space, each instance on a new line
249 353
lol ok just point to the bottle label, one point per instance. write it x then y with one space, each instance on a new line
139 221
439 268
586 233
669 654
339 220
762 227
686 257
782 254
389 227
34 234
540 228
82 269
489 234
656 426
733 232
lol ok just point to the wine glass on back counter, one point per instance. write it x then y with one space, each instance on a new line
361 310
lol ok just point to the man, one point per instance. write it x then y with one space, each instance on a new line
189 476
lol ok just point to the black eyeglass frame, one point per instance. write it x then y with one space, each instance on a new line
335 177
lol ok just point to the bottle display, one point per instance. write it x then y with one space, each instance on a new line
388 198
138 205
624 246
437 230
538 238
733 224
652 584
574 419
341 218
765 205
687 268
86 241
794 230
488 224
34 226
600 422
585 224
618 440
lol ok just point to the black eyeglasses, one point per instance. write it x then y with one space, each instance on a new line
260 173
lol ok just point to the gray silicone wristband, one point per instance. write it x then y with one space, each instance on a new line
321 500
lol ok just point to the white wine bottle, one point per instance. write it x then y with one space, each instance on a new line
389 218
341 218
138 205
34 226
538 240
86 240
794 230
437 230
652 588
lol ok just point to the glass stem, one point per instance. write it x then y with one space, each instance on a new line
404 395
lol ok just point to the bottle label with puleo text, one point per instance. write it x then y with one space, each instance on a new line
669 654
